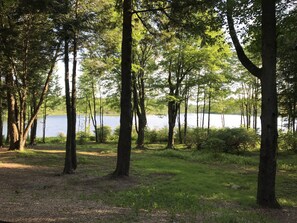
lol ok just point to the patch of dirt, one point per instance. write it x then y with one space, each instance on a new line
32 194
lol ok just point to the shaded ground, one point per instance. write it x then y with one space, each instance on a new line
32 192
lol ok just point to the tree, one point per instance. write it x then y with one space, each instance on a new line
287 68
269 112
143 65
27 37
124 143
52 100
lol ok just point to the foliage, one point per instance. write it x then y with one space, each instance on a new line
287 141
236 140
104 133
196 137
61 138
156 136
82 137
116 133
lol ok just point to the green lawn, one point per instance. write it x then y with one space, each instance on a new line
186 185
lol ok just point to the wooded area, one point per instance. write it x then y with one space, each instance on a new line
136 57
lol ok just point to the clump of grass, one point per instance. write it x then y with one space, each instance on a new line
27 153
206 157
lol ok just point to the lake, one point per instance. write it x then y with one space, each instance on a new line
57 124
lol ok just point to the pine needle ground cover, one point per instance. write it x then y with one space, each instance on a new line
164 186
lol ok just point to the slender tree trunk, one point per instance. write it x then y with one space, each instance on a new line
68 166
11 108
180 137
172 113
1 115
73 98
197 107
267 167
1 120
138 116
186 118
124 143
95 114
142 120
44 121
209 109
34 125
204 108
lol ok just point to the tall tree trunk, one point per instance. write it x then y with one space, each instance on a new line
34 125
267 75
209 109
186 117
267 167
142 120
180 137
68 166
44 121
11 108
197 107
124 143
204 107
172 113
73 96
1 116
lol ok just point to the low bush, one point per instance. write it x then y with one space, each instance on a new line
104 133
235 140
196 137
287 141
82 137
61 138
156 136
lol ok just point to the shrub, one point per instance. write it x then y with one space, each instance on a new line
104 133
236 140
156 136
116 134
214 144
82 137
287 141
196 137
61 138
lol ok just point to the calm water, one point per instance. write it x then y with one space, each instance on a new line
57 124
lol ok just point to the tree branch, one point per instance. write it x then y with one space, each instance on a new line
246 62
151 10
145 25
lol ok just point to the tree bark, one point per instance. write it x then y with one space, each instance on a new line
139 105
68 166
44 121
172 114
269 112
124 143
11 122
267 167
1 115
34 125
74 95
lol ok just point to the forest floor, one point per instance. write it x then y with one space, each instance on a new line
32 189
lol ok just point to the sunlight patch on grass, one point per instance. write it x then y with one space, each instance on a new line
51 151
287 202
96 153
15 166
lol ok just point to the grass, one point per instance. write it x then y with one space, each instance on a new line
187 185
